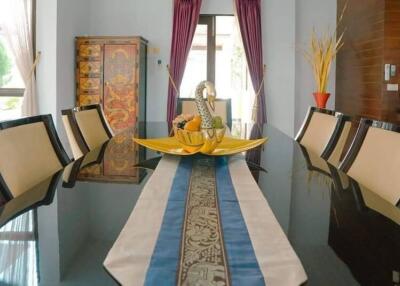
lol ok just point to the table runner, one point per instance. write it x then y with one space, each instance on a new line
203 221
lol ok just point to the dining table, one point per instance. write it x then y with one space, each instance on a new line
64 230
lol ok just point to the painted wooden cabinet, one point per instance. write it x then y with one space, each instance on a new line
111 71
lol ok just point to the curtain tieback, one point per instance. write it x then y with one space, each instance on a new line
34 65
256 98
172 81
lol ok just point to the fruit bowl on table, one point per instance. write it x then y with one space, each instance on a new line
189 138
205 140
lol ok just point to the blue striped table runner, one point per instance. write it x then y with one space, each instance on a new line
197 233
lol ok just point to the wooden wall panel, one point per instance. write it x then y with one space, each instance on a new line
390 99
359 72
372 38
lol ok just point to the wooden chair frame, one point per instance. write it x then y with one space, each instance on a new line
337 132
228 107
76 131
359 138
54 139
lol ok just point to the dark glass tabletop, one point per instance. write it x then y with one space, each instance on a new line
60 231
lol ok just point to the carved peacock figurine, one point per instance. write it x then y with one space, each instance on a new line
206 118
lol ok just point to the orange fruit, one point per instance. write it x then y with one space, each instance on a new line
192 126
197 118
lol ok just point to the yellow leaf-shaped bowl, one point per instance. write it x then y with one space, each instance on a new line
205 140
228 146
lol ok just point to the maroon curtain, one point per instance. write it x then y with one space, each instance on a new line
186 17
249 16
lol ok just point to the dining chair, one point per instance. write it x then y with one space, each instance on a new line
325 132
39 195
223 108
30 152
86 128
373 159
71 171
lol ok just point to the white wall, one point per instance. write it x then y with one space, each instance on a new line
320 14
278 24
72 21
151 19
286 25
46 42
223 7
58 22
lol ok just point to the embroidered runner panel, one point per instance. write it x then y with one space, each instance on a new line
203 257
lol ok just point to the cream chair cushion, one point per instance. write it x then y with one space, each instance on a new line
189 107
90 124
319 132
377 164
76 151
27 157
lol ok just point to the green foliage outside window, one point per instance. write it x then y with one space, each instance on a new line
5 66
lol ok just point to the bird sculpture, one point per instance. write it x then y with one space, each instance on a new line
205 114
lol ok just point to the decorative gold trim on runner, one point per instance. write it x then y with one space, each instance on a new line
202 258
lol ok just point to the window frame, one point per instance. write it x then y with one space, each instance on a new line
210 21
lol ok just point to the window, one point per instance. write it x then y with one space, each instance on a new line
217 55
11 83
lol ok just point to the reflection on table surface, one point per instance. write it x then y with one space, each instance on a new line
344 233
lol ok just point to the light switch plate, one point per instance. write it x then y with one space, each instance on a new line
387 72
392 87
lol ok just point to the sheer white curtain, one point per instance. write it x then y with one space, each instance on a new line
16 24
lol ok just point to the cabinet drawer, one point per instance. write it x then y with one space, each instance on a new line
89 50
86 68
87 99
89 84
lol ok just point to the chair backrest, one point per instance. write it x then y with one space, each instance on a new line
223 108
76 143
374 158
325 132
30 152
86 128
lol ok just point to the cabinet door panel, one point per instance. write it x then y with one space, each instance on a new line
120 86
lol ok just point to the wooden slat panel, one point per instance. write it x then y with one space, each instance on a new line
372 39
390 99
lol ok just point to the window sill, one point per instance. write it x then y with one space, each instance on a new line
12 92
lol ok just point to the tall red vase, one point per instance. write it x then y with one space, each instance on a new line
321 98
